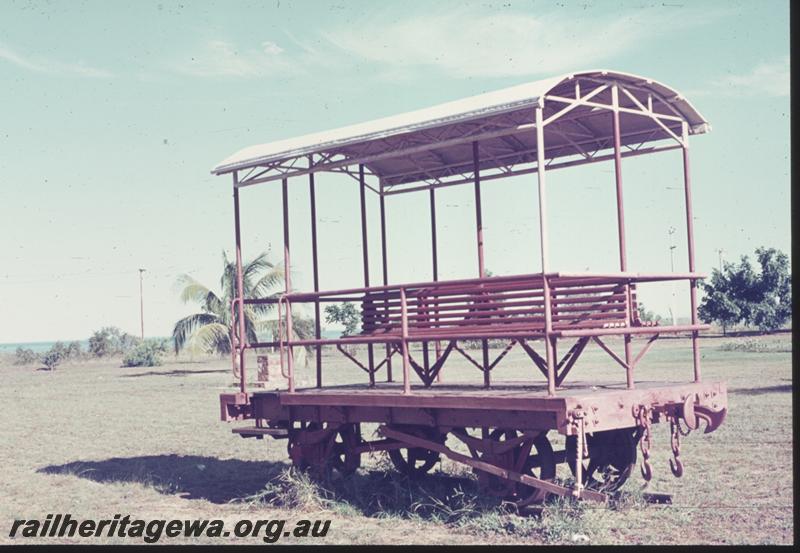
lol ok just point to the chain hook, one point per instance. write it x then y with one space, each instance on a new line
675 464
642 414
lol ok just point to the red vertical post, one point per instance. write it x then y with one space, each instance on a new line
315 269
481 267
435 267
287 279
478 210
623 257
548 313
385 272
240 342
404 341
434 241
687 189
365 259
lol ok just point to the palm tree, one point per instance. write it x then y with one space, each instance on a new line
211 327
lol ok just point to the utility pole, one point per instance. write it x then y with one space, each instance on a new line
671 233
719 253
141 300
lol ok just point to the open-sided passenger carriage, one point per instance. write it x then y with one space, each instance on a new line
587 117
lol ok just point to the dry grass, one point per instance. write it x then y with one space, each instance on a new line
94 440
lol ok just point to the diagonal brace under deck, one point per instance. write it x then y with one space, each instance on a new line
616 357
514 476
562 367
429 375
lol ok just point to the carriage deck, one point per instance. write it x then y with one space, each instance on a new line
508 395
603 406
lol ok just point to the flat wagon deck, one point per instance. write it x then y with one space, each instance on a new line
576 119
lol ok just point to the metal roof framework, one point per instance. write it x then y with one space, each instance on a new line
433 147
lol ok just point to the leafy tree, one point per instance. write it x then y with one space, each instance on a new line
346 315
147 353
110 340
74 350
52 358
647 316
25 356
212 326
739 294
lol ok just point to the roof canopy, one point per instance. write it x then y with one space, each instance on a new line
435 144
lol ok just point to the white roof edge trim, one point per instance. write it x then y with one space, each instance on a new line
464 109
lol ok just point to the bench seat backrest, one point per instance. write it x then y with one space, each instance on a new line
509 304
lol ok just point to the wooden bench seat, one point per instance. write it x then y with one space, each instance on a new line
508 305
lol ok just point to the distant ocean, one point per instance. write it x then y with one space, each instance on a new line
44 346
36 346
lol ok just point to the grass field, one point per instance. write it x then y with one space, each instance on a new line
94 440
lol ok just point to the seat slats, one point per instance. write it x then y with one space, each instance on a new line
504 306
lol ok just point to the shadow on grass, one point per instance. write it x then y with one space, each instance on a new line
372 492
455 501
175 372
380 492
190 476
781 388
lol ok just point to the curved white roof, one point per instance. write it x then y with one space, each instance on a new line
436 126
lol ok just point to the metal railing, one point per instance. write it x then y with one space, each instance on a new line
417 312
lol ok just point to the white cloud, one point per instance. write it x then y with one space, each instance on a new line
469 43
769 79
41 65
222 58
270 48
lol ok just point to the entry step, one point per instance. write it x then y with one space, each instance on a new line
254 432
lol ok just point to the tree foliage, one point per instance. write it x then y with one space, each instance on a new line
60 352
147 353
210 328
646 315
741 295
57 353
346 315
110 340
25 356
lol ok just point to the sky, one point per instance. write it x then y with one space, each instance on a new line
113 113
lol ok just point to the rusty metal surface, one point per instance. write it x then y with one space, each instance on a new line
604 424
606 407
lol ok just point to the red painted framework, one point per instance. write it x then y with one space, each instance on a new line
424 324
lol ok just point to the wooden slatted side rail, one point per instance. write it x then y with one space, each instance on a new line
496 307
475 309
509 307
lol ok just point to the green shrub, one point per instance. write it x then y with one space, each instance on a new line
74 350
25 356
54 356
146 354
110 340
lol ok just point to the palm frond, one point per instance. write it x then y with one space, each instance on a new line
268 282
195 291
185 327
191 289
213 337
254 267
